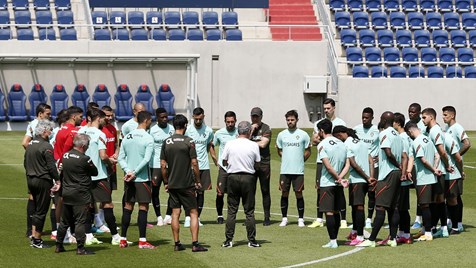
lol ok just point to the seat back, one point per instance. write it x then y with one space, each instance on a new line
66 18
360 71
59 100
117 18
209 19
398 72
213 34
101 95
154 18
145 97
47 34
166 99
135 18
68 34
416 71
99 18
454 72
17 104
36 96
123 100
80 97
234 35
102 34
435 72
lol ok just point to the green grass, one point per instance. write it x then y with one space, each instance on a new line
280 246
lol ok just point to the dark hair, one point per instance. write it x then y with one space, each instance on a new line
291 113
106 108
368 110
429 111
92 105
410 125
381 125
180 121
325 125
198 111
142 116
230 114
399 119
62 117
415 105
348 131
160 110
72 110
329 101
41 108
92 114
450 109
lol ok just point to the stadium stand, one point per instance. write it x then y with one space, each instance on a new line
36 96
80 97
17 104
41 4
101 95
46 34
3 116
144 96
123 101
166 99
59 100
5 34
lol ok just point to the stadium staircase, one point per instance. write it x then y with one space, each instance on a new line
293 12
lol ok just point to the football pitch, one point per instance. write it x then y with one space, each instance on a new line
281 246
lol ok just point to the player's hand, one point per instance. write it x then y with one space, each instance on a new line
198 185
166 188
451 169
438 172
372 181
409 176
215 161
375 159
114 156
403 177
55 187
344 183
463 175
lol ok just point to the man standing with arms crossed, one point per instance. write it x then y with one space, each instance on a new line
178 160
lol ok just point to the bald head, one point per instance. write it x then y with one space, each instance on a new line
138 107
387 119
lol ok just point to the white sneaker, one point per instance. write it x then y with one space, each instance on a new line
160 221
187 222
105 229
301 222
167 220
368 224
284 222
116 240
200 223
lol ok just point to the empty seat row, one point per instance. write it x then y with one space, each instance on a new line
171 34
399 20
37 4
44 18
43 34
414 72
405 38
410 56
402 5
169 18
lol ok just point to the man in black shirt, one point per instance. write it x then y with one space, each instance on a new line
41 170
77 197
177 159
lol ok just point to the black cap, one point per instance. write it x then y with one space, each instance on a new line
256 111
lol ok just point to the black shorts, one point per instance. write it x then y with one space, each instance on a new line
205 180
425 194
372 189
101 190
460 186
404 198
156 179
285 181
113 180
439 187
221 181
387 191
332 199
452 188
185 198
357 192
140 192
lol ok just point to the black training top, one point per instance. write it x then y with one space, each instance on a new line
39 160
262 131
178 151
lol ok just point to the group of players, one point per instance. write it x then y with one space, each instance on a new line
384 161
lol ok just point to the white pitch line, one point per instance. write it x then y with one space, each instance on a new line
11 164
471 167
347 253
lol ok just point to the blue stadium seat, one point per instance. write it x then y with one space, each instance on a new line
145 97
139 34
166 99
354 55
154 18
422 38
80 97
373 5
378 71
391 5
470 72
447 55
342 20
210 19
427 5
391 55
120 34
355 5
25 34
17 104
360 71
429 56
462 5
99 18
409 5
454 72
440 38
361 20
41 4
158 34
445 5
5 34
123 100
101 95
373 55
65 18
379 20
36 96
4 18
348 37
229 19
468 20
47 34
433 20
190 19
176 35
3 115
451 20
435 72
172 19
385 38
20 4
102 34
233 35
135 18
410 55
117 19
213 34
415 20
398 72
367 38
63 4
465 55
195 34
59 100
397 20
3 5
337 5
458 38
472 38
44 17
68 34
416 71
23 17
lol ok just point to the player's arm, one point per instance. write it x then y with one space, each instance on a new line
26 140
196 170
404 165
330 169
280 151
371 166
391 158
443 156
51 163
90 167
459 163
346 169
163 170
307 153
105 158
358 169
263 142
428 166
68 144
466 144
213 154
122 160
315 138
147 155
411 163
